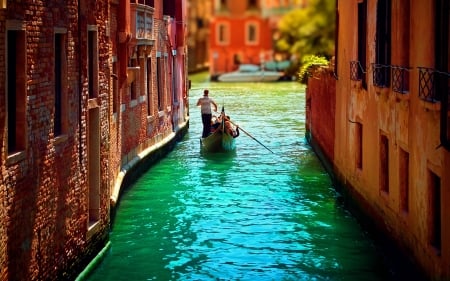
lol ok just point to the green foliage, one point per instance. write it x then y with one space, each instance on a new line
308 63
308 31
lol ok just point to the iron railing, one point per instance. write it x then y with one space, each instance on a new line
433 84
381 75
356 71
400 79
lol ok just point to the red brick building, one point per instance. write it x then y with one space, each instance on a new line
89 89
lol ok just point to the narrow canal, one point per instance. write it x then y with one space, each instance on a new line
248 215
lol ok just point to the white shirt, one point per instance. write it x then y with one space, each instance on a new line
205 103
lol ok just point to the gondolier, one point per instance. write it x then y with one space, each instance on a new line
205 103
223 137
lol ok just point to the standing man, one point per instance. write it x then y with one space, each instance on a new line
205 105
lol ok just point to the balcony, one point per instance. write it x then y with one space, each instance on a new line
142 24
381 75
400 79
433 85
357 71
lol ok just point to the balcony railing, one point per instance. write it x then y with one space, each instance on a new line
400 79
381 75
433 85
356 71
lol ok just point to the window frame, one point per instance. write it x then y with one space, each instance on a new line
60 73
17 136
252 30
223 34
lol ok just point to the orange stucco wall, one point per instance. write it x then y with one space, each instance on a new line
223 54
410 125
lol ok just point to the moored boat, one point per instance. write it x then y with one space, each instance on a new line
250 73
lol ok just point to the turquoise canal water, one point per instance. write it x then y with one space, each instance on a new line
248 215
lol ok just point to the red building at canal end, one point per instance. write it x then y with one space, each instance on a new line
89 90
243 32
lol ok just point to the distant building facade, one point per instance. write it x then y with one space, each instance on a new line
88 89
391 132
199 16
238 34
243 32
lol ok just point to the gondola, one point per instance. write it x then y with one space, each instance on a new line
219 140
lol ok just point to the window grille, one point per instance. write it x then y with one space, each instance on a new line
381 73
356 71
400 79
433 84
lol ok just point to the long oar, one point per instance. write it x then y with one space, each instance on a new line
248 134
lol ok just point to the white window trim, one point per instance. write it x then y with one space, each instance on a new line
226 40
255 24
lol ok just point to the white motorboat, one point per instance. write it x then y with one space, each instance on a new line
250 73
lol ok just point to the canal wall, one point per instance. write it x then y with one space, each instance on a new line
392 126
320 114
320 134
127 176
143 161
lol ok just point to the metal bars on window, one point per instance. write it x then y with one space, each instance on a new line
400 79
356 71
433 84
382 75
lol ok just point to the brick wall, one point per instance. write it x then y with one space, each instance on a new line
320 110
43 188
49 228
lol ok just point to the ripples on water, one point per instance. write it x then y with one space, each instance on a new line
247 215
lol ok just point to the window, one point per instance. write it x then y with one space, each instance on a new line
362 42
384 163
381 71
94 174
222 34
252 4
359 145
404 179
60 76
160 87
174 81
115 86
141 61
16 90
252 35
92 62
133 85
442 59
149 86
434 206
401 30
